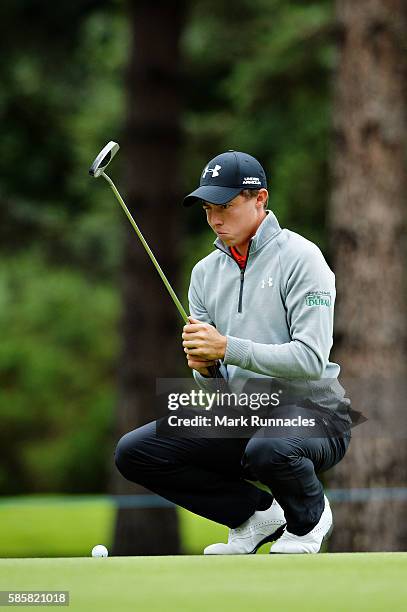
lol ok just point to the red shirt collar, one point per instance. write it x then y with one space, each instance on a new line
241 259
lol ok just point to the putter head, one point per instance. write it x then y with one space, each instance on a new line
104 158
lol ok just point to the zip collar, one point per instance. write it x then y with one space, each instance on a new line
267 230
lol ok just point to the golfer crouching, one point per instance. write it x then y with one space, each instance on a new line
262 306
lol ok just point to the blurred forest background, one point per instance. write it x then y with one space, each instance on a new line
81 310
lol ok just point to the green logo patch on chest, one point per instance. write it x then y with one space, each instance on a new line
318 298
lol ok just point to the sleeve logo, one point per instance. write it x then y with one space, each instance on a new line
318 298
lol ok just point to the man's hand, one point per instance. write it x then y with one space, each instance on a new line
200 365
203 345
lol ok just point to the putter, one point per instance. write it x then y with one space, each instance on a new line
97 169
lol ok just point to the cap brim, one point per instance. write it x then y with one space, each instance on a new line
212 194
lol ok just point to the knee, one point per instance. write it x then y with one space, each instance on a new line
124 454
130 458
137 455
263 454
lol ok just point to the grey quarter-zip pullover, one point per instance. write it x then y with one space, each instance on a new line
277 314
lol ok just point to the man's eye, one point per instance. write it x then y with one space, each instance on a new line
224 206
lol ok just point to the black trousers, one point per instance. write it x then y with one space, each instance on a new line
208 476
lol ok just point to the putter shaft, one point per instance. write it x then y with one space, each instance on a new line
214 370
147 248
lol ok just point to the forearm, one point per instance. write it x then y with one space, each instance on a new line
289 360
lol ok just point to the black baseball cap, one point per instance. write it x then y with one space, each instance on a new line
224 177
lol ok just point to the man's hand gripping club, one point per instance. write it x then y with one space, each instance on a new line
203 345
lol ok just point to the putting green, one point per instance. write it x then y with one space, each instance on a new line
335 582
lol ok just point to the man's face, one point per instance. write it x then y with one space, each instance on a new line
237 221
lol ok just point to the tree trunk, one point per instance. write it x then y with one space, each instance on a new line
151 326
367 220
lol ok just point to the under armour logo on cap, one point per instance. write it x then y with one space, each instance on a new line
215 171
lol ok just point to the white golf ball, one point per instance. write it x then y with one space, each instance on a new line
100 551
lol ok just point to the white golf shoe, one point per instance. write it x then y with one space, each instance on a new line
310 542
263 526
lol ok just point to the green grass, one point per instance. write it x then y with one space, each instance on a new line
51 526
40 526
46 526
341 582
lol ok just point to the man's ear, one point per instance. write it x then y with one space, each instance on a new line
262 198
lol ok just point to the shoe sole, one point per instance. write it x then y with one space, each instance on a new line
270 538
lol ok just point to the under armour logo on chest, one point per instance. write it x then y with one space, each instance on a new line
268 283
